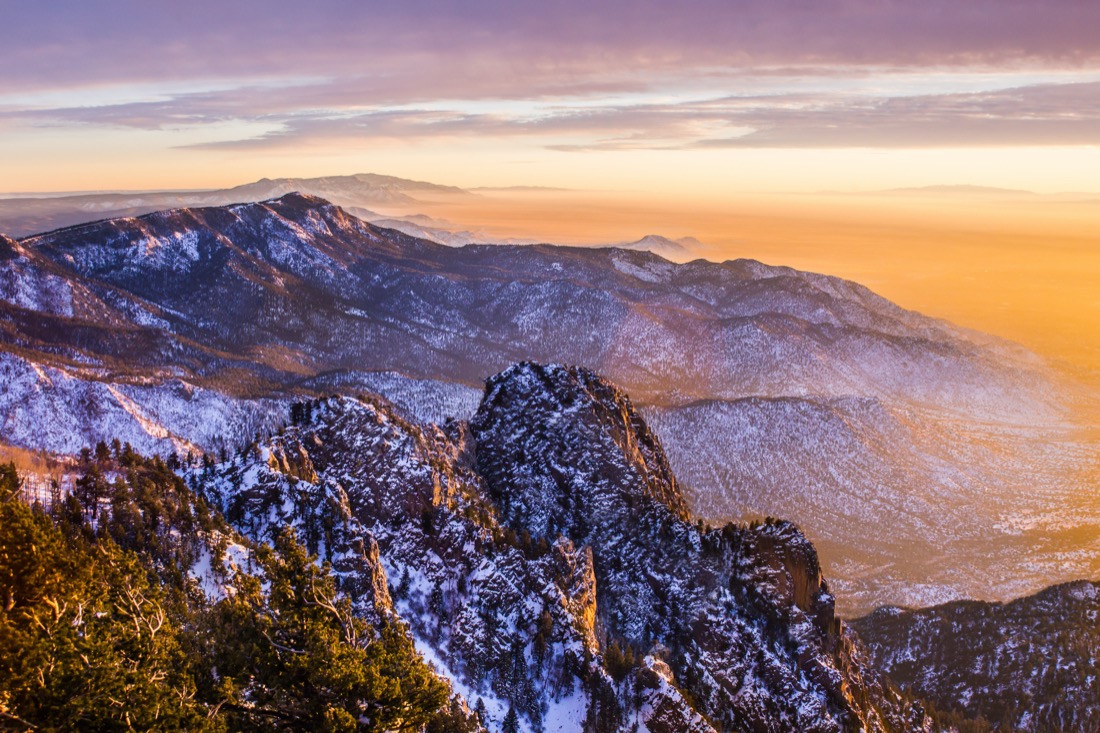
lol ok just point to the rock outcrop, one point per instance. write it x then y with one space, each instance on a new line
545 560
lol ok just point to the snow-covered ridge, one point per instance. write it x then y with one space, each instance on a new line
1030 663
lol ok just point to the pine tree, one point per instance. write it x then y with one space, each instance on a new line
481 713
301 656
511 722
82 628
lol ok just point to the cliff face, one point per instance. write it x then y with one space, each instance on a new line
744 613
545 560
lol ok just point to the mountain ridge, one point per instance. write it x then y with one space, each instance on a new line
122 328
1027 664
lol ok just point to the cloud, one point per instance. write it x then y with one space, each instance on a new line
416 49
1062 114
1049 114
564 75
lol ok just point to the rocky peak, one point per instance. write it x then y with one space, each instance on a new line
564 451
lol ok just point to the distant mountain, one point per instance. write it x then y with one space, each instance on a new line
675 250
26 215
926 461
362 189
1030 665
671 249
439 232
29 214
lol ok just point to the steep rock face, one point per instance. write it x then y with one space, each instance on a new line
583 460
1028 665
743 612
510 622
536 551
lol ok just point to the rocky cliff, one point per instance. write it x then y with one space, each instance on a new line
545 561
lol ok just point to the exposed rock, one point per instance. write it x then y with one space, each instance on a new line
595 563
777 392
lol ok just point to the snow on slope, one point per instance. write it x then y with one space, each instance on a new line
1030 664
905 505
294 297
512 616
49 408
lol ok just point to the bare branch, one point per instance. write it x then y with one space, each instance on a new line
280 647
17 719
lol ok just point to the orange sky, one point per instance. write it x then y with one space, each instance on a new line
1024 267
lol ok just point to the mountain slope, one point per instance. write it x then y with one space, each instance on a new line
529 607
1028 665
254 276
252 304
563 452
943 507
131 605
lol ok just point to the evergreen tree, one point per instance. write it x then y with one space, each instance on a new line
300 659
100 629
511 722
10 482
86 642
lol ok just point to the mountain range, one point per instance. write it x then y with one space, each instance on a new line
544 559
540 558
386 201
401 405
927 462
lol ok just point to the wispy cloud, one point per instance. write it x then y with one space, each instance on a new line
438 48
1045 114
256 77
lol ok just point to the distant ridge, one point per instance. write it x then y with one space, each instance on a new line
28 215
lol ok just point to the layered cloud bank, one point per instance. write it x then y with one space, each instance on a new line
482 88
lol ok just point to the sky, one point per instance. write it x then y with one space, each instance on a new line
704 98
766 128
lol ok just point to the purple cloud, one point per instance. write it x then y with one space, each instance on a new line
1048 114
497 48
568 75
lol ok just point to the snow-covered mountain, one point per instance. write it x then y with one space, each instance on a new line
545 561
904 502
1028 665
778 392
